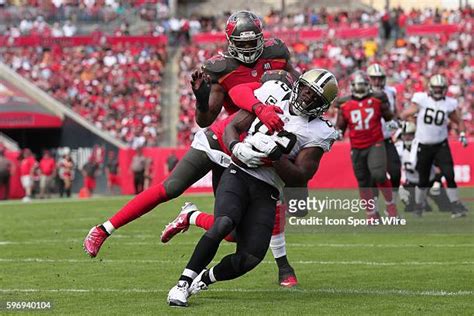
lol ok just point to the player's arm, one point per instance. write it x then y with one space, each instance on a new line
209 98
410 111
291 69
341 123
455 117
387 114
299 172
243 96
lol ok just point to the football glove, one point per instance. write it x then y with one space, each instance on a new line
268 115
392 125
463 139
339 135
248 156
265 144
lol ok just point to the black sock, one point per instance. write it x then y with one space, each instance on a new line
103 229
282 263
189 215
186 278
205 278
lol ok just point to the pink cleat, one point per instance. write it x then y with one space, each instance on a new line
94 241
180 223
289 281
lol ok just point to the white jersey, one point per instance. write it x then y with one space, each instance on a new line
433 118
274 93
391 93
299 132
408 159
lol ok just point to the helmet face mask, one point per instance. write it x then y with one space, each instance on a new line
377 82
245 36
377 76
438 87
360 86
313 93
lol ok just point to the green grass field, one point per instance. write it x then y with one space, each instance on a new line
426 267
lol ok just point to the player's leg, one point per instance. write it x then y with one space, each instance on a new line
377 163
232 198
253 238
425 158
194 165
444 161
394 167
364 181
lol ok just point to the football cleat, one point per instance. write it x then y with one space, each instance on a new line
391 210
179 224
178 295
287 277
458 210
198 285
94 241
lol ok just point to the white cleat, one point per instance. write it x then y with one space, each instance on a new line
178 295
198 285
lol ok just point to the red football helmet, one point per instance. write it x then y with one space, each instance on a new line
245 36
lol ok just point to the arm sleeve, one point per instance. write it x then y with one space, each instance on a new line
242 95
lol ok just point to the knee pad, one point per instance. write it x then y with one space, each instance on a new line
223 226
173 188
243 262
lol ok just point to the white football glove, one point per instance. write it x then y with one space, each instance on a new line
262 142
392 125
463 139
248 156
339 135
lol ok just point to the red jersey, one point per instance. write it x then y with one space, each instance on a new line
218 127
363 118
46 166
229 72
27 165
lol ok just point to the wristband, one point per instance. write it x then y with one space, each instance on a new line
232 144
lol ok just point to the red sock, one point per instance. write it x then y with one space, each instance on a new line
205 221
279 226
386 189
140 205
367 195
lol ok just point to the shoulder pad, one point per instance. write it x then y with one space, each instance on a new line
218 66
275 49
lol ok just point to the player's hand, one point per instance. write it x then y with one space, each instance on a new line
268 115
247 155
393 125
463 139
265 144
198 78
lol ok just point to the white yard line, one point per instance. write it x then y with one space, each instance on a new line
314 262
348 291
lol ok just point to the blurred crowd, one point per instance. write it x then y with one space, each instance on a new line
116 88
61 18
409 62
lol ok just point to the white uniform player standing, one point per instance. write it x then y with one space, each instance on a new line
434 111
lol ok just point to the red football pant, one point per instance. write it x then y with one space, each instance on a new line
140 205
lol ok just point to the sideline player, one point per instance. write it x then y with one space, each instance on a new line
362 112
378 81
434 110
246 197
